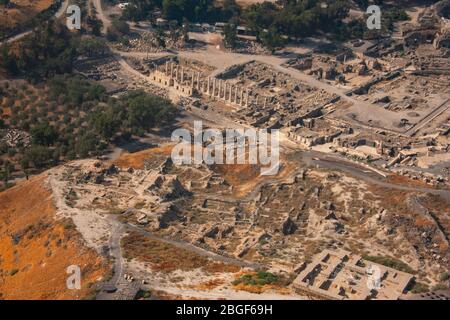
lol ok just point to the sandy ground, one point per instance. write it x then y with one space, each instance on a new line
195 284
94 226
427 162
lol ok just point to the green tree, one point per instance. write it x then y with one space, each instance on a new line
272 39
38 155
5 2
44 134
146 111
230 35
7 169
105 123
25 165
7 61
86 144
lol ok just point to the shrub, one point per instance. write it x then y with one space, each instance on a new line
390 262
260 278
13 272
419 287
445 276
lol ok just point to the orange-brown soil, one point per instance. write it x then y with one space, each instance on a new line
165 257
21 11
36 249
136 160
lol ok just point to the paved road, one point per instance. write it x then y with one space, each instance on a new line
332 162
58 14
117 231
430 117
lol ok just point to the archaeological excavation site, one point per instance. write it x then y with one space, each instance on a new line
354 114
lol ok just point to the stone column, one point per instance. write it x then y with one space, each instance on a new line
225 91
225 85
241 101
208 89
235 94
247 95
171 69
265 102
167 68
198 80
192 80
182 75
214 88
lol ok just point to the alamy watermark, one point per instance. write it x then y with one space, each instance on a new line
374 277
374 20
73 282
230 146
74 19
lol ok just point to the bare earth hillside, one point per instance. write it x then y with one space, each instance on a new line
35 249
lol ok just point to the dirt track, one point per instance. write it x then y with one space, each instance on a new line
57 15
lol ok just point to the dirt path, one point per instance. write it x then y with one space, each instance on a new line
101 14
190 247
57 15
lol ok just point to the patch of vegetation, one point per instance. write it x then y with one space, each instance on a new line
259 278
143 294
444 276
272 23
440 286
179 10
391 263
13 272
49 50
419 287
45 15
69 117
139 205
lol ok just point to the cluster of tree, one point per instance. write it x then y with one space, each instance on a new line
133 113
85 121
47 51
6 168
92 47
5 2
357 28
297 18
230 35
74 91
192 10
7 31
119 30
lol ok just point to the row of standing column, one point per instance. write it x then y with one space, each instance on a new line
214 87
178 73
222 90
